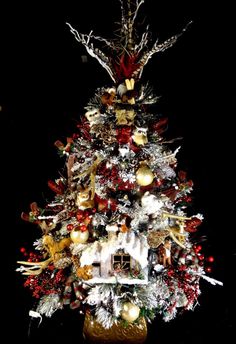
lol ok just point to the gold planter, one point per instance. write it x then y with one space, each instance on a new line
133 333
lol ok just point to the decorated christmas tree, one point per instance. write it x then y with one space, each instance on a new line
118 242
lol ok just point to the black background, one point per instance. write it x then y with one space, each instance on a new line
45 86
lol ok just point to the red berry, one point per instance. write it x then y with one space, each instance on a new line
208 269
201 257
22 250
197 248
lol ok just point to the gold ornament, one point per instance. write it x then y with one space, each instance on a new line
94 332
79 237
144 176
140 136
130 312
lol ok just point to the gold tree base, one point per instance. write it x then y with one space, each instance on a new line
133 333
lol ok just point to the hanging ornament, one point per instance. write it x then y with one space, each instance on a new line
130 312
144 175
78 236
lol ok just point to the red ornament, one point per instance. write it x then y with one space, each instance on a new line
70 227
83 228
22 250
208 269
210 259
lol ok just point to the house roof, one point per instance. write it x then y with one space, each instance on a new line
135 245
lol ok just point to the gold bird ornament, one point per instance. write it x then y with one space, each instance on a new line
140 136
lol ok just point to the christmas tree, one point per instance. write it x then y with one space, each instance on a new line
117 240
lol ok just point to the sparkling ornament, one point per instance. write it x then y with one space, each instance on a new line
79 237
130 312
144 176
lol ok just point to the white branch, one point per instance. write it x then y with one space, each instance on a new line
94 52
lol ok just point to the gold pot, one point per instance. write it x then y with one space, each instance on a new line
94 332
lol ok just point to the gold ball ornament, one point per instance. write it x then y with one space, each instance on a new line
144 176
79 237
130 312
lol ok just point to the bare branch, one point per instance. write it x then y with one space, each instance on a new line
94 52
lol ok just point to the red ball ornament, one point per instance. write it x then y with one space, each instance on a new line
210 259
208 269
83 228
22 250
70 227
